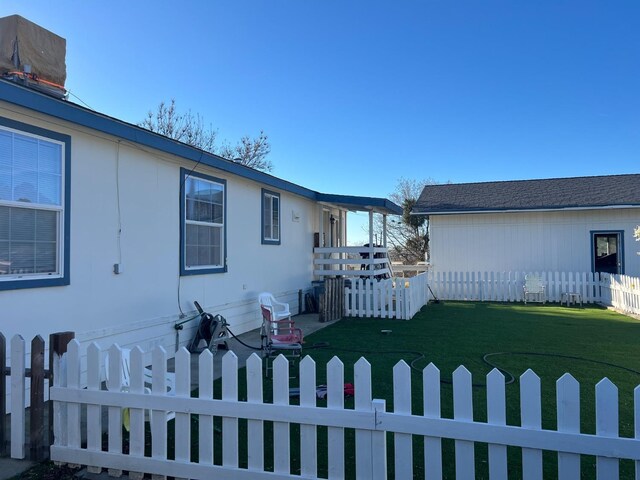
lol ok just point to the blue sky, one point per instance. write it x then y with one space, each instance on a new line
355 95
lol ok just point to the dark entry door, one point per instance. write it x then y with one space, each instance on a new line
607 252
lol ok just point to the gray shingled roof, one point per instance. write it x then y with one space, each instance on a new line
545 194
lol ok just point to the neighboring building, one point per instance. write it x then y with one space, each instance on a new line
110 230
581 224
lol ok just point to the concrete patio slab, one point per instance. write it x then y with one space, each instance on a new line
308 323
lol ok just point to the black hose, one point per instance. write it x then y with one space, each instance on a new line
555 355
509 377
245 344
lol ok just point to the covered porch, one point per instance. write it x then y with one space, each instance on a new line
331 254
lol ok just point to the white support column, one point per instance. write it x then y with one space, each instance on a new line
371 247
320 226
371 228
321 234
344 228
333 237
384 231
342 218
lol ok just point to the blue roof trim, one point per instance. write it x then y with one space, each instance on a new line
70 112
364 202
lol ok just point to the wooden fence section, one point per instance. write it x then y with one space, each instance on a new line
39 428
332 300
369 419
399 298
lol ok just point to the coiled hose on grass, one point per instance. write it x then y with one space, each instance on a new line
509 377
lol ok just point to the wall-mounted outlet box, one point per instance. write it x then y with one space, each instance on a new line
117 268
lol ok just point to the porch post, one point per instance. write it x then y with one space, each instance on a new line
320 226
384 230
371 247
342 218
321 235
344 231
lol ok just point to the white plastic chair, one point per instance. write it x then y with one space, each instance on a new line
125 378
534 288
147 375
279 311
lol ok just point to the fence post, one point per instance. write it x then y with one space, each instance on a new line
36 412
379 444
57 347
362 400
17 397
3 395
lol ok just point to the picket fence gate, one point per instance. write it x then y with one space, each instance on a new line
369 418
399 298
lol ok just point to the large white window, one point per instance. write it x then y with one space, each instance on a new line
270 218
203 225
32 207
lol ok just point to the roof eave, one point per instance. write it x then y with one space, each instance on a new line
362 204
516 210
78 115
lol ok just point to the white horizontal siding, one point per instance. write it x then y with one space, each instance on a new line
528 241
140 306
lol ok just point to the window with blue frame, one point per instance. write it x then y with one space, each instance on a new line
270 218
34 195
203 229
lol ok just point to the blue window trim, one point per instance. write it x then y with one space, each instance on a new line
65 279
620 234
184 174
263 205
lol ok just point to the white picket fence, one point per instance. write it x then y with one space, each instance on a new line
620 291
399 298
369 418
507 286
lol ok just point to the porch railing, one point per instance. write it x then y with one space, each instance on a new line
370 262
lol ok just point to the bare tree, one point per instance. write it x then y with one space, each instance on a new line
189 128
408 235
251 152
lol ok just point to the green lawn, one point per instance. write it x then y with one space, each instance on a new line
459 333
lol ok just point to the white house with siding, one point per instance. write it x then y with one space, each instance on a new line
112 231
580 224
